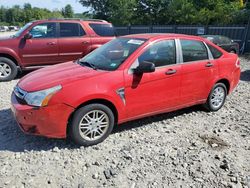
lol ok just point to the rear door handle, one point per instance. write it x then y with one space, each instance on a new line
51 43
209 64
170 71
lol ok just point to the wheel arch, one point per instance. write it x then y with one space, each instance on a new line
105 102
9 57
226 82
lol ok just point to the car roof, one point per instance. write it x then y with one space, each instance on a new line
98 21
214 36
161 35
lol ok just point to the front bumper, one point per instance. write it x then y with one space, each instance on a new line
50 121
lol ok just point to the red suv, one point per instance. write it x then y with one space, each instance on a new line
46 42
128 78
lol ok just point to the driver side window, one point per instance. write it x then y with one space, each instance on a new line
45 30
161 53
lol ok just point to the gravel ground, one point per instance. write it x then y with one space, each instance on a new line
186 148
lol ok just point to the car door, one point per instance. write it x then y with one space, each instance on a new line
42 48
197 71
74 42
156 91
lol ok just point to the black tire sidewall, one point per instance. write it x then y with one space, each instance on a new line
209 103
13 69
74 125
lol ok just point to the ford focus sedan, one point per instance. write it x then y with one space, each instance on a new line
130 77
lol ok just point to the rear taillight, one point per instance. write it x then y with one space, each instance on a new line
237 64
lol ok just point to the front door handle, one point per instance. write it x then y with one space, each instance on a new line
85 42
170 71
51 43
209 64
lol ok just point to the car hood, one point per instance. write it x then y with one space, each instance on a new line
60 74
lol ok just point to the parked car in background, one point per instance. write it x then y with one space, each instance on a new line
128 78
224 42
47 42
13 28
4 28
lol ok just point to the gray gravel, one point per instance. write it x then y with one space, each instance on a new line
186 148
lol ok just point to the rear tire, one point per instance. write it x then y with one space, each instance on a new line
8 69
216 98
91 124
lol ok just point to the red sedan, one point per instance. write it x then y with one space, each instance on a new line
128 78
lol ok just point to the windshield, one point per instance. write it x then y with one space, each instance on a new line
112 54
18 33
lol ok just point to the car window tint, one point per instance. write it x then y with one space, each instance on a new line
216 41
161 53
215 52
71 30
225 40
193 50
103 29
45 30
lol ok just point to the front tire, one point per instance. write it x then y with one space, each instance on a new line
91 124
216 98
8 69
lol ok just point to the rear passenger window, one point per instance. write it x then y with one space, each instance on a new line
71 30
193 50
161 53
215 52
103 29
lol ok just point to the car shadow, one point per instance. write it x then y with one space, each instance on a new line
14 140
22 74
156 118
245 75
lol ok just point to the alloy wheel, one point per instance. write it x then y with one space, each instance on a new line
94 125
5 70
218 96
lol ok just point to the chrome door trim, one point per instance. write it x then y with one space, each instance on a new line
179 51
40 55
73 53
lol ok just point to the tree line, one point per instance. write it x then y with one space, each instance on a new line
18 15
153 12
139 12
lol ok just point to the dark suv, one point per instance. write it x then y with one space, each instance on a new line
224 42
46 42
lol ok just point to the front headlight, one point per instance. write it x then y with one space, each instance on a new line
41 98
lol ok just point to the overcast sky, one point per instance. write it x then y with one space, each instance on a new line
49 4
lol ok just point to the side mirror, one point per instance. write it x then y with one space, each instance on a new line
144 67
27 36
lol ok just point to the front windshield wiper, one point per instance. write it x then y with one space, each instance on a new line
85 63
